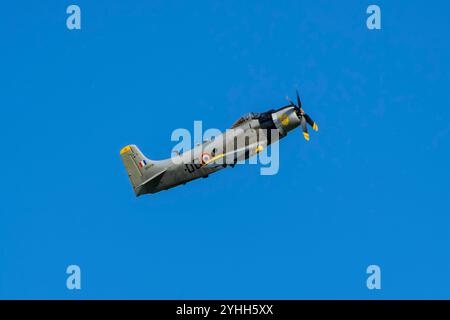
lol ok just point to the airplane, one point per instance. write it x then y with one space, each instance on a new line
248 136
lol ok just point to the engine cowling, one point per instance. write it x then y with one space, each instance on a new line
286 120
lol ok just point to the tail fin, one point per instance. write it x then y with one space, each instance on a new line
136 165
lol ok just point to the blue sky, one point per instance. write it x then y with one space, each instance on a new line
370 188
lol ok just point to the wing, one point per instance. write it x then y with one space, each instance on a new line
232 157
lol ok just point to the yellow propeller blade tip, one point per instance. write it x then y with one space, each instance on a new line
315 127
306 135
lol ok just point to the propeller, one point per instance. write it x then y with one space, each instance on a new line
304 118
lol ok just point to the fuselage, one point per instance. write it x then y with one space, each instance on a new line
248 136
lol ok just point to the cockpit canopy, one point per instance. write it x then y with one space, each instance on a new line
263 117
246 117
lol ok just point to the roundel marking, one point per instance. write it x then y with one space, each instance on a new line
205 157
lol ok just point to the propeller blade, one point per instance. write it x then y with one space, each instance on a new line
299 103
304 129
311 122
290 101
